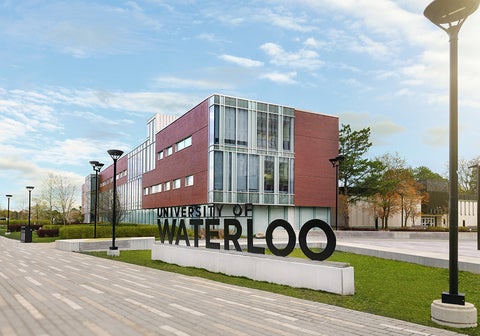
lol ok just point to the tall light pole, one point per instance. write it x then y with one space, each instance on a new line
97 166
450 15
8 211
336 164
478 203
115 154
28 234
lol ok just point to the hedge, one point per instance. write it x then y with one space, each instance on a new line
105 231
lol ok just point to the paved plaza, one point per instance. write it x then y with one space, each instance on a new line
45 291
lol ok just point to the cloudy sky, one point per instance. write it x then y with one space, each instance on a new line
80 77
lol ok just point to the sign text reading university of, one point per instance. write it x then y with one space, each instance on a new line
210 216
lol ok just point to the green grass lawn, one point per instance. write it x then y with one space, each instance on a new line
35 238
384 287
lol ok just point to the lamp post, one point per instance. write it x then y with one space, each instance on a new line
449 16
336 164
115 154
28 234
8 212
478 203
97 166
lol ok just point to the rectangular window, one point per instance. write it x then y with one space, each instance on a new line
283 172
216 124
273 132
261 130
228 170
176 184
189 181
287 133
160 155
218 171
184 143
167 186
242 172
269 174
156 188
169 151
242 127
253 169
230 125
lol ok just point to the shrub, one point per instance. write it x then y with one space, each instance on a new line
17 227
47 232
82 231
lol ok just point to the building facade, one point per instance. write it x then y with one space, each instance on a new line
227 152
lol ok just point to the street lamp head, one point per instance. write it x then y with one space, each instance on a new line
337 160
9 196
30 188
449 12
115 153
96 165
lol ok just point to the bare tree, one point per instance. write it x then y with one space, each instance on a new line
105 202
59 194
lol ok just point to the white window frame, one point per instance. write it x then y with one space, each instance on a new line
176 183
189 181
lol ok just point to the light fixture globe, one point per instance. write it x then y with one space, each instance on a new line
115 153
30 188
450 11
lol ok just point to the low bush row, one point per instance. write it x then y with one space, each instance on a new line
105 231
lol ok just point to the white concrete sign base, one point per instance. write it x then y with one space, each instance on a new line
455 316
326 276
102 244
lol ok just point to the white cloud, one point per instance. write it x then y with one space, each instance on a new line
241 61
280 78
285 21
304 58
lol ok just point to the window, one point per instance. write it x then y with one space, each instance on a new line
287 133
272 131
283 171
261 130
218 171
166 186
230 125
146 191
156 188
253 169
184 143
216 124
269 174
242 172
189 181
160 155
169 151
242 127
176 184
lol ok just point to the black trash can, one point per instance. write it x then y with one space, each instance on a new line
25 234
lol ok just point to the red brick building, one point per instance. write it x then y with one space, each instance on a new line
228 151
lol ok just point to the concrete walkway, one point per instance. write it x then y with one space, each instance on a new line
45 291
429 249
